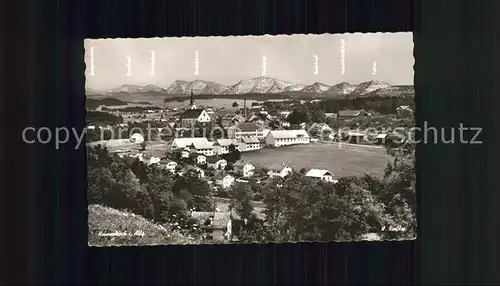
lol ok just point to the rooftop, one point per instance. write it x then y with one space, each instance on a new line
184 142
192 113
250 139
246 127
286 134
318 173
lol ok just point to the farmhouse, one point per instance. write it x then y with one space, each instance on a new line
201 159
136 138
216 162
350 114
249 143
168 164
192 116
244 168
323 175
224 180
202 147
277 138
244 129
152 159
221 146
215 225
185 143
195 170
279 170
331 115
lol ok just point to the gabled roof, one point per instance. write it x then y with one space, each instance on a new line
198 145
288 134
348 112
250 139
192 113
185 142
226 142
241 163
318 173
222 176
167 161
246 127
214 159
278 166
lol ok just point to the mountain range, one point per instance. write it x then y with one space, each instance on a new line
264 85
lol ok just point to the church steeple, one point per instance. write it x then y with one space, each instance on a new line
191 102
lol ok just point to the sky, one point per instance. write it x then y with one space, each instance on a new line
227 60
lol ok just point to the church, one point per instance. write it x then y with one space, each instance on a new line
194 114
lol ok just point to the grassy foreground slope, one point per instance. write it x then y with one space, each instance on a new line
110 227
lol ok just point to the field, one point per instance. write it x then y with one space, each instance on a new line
347 160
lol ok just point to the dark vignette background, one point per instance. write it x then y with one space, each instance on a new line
44 225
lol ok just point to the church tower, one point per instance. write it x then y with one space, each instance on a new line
191 102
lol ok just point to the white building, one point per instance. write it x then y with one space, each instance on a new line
244 168
245 129
277 138
192 116
195 170
279 170
205 148
221 146
249 143
225 181
136 138
216 162
323 175
185 143
201 159
169 165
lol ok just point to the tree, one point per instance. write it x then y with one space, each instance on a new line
318 116
297 117
235 104
143 145
303 171
233 154
241 202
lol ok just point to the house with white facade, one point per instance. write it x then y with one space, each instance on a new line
279 170
169 164
244 168
185 143
195 170
201 159
192 116
216 162
224 180
278 138
200 147
221 146
136 138
151 159
244 129
323 175
248 143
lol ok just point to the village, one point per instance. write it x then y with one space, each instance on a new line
209 142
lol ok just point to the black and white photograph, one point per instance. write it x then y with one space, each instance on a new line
250 139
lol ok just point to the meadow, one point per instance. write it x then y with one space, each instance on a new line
344 160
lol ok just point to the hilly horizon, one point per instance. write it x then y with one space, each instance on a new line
261 85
